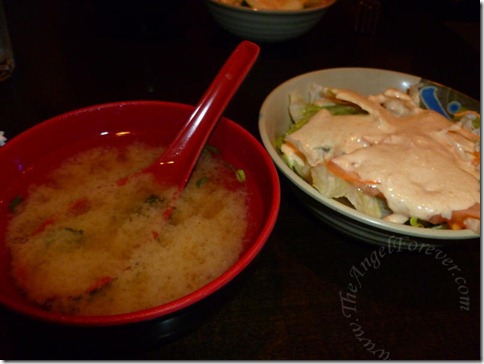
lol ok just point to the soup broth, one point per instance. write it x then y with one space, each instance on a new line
83 244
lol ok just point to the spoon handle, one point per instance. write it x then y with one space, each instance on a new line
189 142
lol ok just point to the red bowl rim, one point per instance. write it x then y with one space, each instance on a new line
184 302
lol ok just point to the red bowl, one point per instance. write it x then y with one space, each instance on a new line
26 157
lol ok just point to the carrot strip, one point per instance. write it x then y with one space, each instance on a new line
457 220
367 186
467 112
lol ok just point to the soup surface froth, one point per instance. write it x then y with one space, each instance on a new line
84 245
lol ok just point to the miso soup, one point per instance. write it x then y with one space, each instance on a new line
83 244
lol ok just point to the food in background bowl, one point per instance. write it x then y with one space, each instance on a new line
275 121
276 4
270 20
29 157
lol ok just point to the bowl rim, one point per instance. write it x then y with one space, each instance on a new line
336 206
314 9
160 311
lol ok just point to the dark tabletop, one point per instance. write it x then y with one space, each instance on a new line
293 302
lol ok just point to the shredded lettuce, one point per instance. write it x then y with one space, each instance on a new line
476 123
302 170
329 185
416 222
302 111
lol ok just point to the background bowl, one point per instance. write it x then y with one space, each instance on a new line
266 25
274 120
120 123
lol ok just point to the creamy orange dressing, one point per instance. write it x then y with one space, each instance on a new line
421 163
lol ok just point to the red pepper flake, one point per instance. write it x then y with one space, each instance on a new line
79 207
43 226
100 283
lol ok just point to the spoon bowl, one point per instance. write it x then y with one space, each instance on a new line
176 164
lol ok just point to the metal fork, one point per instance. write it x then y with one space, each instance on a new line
367 16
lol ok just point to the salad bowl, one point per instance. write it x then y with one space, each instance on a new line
275 120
